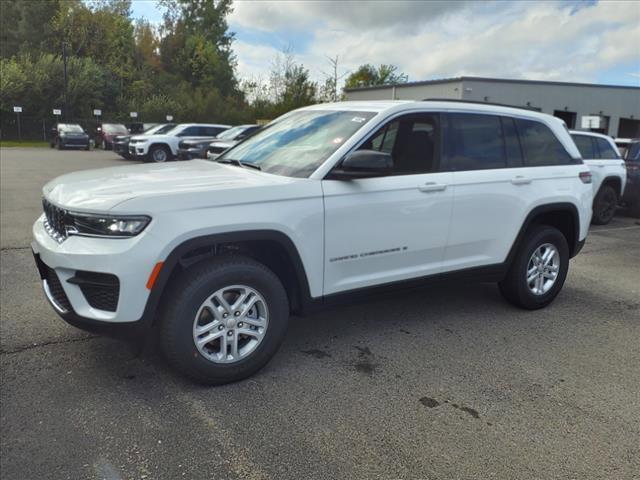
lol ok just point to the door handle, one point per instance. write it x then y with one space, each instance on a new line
432 187
520 180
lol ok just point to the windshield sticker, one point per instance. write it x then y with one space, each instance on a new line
338 140
359 119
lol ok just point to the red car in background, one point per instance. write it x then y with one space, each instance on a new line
106 132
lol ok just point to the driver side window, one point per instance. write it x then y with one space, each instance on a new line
411 140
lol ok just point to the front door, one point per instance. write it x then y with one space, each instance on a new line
385 229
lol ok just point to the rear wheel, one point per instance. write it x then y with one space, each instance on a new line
539 269
225 319
159 154
604 205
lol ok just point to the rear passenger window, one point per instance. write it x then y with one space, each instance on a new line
606 150
585 145
540 146
475 142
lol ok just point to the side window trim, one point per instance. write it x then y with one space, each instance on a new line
596 148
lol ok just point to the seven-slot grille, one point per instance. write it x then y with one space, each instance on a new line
55 223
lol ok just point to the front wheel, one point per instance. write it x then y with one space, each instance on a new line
159 154
539 269
604 205
224 320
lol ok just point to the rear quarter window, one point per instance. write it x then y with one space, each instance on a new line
606 150
540 146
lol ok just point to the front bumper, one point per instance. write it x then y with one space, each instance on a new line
129 260
121 149
138 150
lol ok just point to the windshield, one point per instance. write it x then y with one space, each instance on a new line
158 129
231 133
71 128
634 152
297 144
114 128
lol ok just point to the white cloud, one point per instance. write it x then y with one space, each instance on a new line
542 40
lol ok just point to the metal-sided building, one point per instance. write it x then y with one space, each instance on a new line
610 109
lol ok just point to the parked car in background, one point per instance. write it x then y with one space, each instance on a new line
623 144
137 128
191 148
121 142
327 203
229 139
69 135
106 133
631 196
600 153
163 147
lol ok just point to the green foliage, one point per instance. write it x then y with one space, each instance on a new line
367 75
185 68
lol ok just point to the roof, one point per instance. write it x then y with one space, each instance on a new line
589 134
487 79
394 106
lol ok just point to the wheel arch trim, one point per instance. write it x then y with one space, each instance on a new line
564 207
173 260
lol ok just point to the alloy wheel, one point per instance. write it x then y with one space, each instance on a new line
230 324
543 268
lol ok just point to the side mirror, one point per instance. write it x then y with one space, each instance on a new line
363 164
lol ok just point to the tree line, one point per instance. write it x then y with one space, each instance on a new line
185 66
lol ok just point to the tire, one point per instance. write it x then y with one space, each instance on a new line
87 147
158 154
198 284
516 289
604 205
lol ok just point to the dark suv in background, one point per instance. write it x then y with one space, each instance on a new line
631 197
68 135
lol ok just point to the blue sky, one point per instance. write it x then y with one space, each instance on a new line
583 41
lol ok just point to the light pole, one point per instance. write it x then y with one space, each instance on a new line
64 69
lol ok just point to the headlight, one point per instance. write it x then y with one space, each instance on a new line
105 225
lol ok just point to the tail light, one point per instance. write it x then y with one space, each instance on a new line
585 177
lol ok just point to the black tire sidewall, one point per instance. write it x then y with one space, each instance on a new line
515 287
192 288
604 191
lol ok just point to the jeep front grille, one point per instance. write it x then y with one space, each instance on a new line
55 222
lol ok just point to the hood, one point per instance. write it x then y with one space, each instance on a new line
74 134
223 143
196 140
102 190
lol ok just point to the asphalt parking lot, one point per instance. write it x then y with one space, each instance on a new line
448 382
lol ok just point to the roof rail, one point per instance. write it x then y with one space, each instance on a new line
457 100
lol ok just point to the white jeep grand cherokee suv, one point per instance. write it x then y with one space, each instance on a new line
325 203
164 147
609 173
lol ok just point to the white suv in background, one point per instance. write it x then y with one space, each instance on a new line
163 147
609 173
326 203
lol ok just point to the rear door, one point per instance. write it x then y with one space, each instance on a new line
491 188
385 229
502 168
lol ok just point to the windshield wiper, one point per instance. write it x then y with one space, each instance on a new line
238 163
